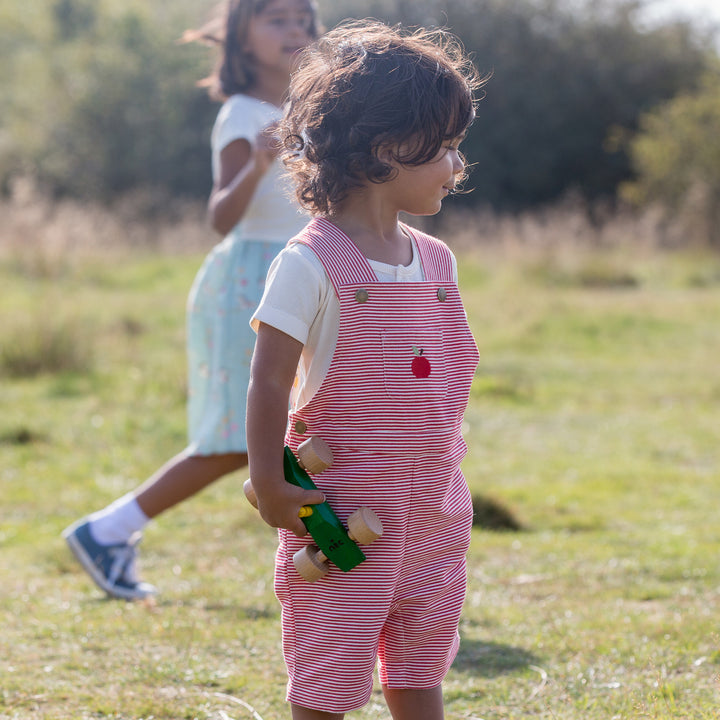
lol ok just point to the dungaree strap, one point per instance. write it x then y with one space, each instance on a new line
346 265
434 256
341 258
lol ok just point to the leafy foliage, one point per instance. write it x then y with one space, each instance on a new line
100 98
563 76
112 98
677 155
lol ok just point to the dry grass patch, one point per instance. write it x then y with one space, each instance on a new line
593 420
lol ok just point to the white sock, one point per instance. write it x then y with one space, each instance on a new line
118 521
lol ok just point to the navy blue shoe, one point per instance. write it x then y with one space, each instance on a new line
112 567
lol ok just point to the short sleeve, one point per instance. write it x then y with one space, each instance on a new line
241 118
297 288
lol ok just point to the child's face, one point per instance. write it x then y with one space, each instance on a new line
278 32
420 189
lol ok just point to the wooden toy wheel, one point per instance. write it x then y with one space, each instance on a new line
315 455
311 563
249 491
364 526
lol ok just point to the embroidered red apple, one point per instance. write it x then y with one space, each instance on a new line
420 365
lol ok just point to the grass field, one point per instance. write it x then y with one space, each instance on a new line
594 420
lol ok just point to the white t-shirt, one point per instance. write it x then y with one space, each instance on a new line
273 214
300 301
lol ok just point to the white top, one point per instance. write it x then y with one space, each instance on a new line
300 301
273 213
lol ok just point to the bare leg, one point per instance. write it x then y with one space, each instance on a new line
415 703
182 477
302 713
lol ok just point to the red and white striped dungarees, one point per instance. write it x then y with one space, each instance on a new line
395 434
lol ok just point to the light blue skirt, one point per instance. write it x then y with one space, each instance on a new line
220 342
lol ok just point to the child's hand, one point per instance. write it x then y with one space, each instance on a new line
279 506
267 146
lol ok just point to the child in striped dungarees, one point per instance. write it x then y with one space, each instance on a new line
362 325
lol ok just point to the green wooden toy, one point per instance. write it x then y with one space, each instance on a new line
333 542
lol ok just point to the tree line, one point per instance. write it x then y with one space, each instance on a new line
99 98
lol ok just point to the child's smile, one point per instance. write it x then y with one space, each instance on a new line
278 32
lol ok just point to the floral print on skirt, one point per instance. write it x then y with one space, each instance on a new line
220 342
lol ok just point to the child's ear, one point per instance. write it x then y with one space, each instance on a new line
387 153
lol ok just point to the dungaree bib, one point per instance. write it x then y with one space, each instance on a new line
390 408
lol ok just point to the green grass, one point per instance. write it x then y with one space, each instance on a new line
594 419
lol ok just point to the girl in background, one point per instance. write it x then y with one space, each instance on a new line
250 205
365 311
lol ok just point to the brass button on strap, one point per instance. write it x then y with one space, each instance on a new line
361 295
442 294
300 427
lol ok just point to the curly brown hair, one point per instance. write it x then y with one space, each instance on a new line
366 86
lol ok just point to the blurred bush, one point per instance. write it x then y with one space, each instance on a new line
98 98
676 156
101 99
564 75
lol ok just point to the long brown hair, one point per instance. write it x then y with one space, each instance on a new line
227 30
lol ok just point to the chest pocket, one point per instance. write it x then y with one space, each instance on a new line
414 365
